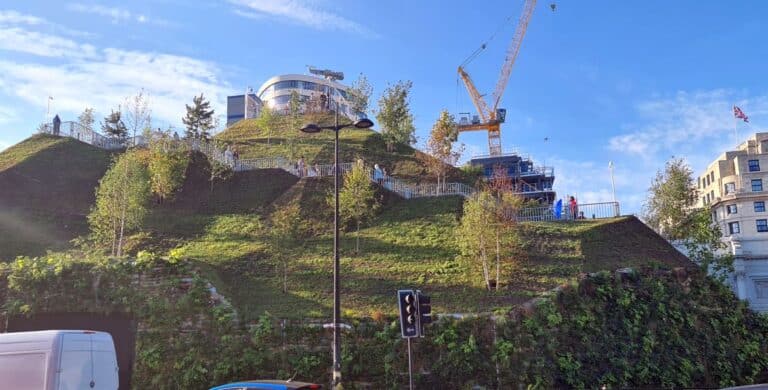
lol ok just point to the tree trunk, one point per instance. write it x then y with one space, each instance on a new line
357 239
285 276
486 271
498 261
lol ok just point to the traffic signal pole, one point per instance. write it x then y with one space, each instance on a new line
410 366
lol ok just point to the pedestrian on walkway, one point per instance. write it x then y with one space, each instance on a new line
573 208
301 166
378 175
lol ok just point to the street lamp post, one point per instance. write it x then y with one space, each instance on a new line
362 123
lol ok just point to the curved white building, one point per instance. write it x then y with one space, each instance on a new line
276 92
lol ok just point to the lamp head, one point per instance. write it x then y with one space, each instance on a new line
311 128
363 122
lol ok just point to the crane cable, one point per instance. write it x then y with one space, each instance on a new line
482 47
479 50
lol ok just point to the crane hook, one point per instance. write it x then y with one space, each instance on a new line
553 6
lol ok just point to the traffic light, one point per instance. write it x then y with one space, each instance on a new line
409 316
424 310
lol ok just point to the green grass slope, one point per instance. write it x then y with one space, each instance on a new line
410 244
47 187
253 142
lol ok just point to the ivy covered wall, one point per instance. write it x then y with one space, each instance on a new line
651 328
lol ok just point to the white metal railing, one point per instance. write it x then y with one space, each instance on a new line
76 130
581 211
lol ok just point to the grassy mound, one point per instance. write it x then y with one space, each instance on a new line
252 142
47 190
410 244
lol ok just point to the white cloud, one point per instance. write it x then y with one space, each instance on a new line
4 145
14 17
301 12
44 45
105 82
677 123
116 15
86 76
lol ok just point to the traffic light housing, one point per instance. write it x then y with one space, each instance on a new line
424 303
409 315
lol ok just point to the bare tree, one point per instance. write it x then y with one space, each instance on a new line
138 115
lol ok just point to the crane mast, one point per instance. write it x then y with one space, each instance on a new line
491 118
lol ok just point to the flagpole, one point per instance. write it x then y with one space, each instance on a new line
736 127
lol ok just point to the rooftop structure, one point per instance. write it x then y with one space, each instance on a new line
531 181
319 93
733 188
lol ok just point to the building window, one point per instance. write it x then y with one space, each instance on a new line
761 289
757 185
733 228
712 195
730 188
731 209
760 207
712 174
762 225
754 165
698 184
707 202
286 84
707 178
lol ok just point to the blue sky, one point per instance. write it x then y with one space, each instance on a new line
630 82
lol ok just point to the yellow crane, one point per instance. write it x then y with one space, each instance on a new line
491 117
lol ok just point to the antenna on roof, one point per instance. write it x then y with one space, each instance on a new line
326 73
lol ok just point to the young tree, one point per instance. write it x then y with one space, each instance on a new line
219 171
440 147
138 115
669 209
357 200
199 118
287 231
86 119
294 122
267 121
359 93
167 165
488 229
394 115
670 198
474 234
113 125
121 199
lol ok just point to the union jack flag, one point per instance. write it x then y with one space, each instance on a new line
737 113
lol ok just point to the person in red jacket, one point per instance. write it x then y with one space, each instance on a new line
573 208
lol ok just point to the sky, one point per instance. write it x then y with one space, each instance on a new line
634 83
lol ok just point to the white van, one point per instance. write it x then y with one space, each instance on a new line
58 360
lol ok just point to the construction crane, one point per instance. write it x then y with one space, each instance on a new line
491 117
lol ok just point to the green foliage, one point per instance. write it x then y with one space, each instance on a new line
219 172
359 93
394 115
114 126
704 244
167 165
669 210
670 197
440 146
199 118
487 230
121 201
357 201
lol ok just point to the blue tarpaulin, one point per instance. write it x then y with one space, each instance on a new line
559 209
